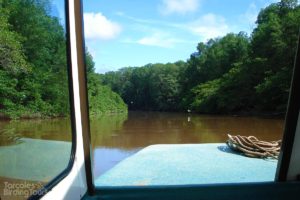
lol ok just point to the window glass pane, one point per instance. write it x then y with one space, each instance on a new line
169 80
35 128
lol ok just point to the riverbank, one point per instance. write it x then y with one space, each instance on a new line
28 116
265 115
6 117
268 115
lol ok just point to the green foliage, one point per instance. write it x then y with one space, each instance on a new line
216 57
275 41
151 87
101 98
232 74
259 79
33 65
228 94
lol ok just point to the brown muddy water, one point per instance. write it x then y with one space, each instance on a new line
115 137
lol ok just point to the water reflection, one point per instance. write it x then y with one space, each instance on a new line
33 152
49 129
140 129
9 137
115 137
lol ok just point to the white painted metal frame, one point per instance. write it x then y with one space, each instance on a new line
74 185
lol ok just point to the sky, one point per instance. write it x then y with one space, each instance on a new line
122 33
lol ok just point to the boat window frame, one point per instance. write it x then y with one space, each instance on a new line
291 119
47 187
281 187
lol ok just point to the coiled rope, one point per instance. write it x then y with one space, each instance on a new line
252 147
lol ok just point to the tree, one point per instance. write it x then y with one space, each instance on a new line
33 64
275 41
230 74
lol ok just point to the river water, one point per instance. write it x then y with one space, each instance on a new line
115 137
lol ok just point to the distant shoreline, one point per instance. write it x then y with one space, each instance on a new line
37 116
236 114
4 117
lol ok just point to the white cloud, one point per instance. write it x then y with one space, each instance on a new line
178 6
97 26
251 14
158 39
205 27
209 26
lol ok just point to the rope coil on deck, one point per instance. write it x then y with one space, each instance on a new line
252 147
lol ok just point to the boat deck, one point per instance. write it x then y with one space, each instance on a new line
181 164
34 159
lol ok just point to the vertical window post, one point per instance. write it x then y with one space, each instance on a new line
83 93
289 153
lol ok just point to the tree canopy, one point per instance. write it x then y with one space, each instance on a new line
236 73
33 64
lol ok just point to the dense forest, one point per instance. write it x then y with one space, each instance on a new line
33 65
236 73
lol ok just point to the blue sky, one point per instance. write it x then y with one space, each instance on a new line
121 33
